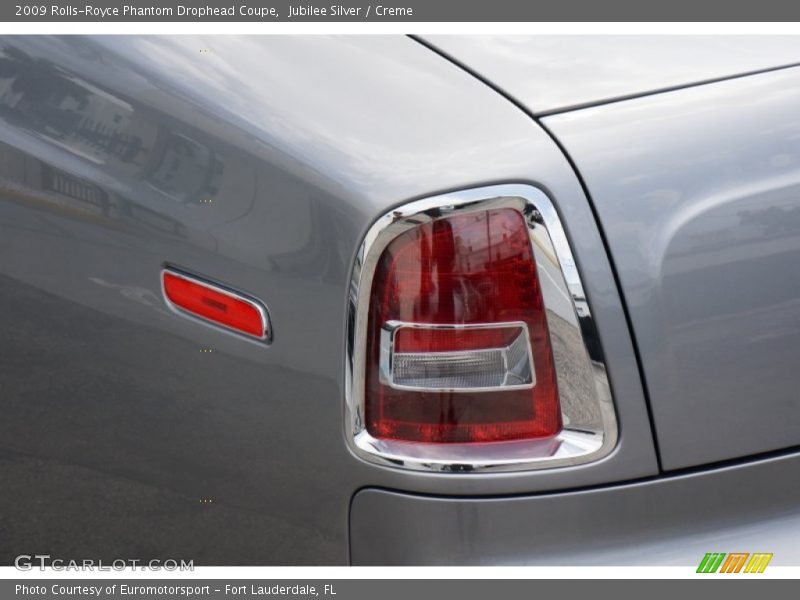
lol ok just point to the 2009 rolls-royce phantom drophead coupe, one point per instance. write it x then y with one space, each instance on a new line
398 300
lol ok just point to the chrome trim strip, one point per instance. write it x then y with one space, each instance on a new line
590 424
220 288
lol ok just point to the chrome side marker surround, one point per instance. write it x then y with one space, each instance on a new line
215 304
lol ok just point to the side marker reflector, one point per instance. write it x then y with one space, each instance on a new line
215 304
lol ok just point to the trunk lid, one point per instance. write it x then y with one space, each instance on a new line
556 73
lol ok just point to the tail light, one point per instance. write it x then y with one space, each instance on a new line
457 344
465 349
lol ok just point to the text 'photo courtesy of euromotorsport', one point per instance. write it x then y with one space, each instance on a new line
320 297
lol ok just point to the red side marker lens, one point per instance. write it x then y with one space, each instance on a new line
228 309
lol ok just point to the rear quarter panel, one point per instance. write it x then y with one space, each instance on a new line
259 163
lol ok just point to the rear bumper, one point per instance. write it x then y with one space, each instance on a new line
752 507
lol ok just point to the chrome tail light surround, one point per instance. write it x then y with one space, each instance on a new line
589 421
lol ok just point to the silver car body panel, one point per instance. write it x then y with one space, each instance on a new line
667 521
261 163
557 73
114 420
698 193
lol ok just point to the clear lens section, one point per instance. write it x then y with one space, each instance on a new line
477 369
450 370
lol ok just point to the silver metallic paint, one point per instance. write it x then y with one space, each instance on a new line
555 73
672 520
114 423
115 426
698 192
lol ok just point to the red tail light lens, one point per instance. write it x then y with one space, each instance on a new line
458 348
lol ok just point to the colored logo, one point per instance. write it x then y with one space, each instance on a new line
735 562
